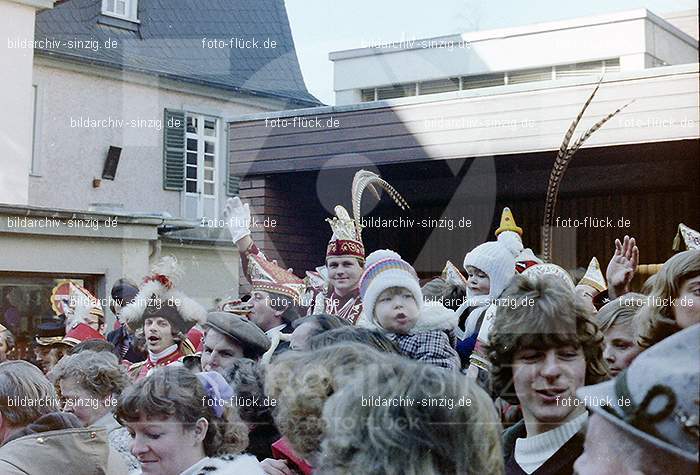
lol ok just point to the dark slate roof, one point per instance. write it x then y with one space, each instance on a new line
168 43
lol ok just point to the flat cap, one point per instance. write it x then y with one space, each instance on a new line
247 333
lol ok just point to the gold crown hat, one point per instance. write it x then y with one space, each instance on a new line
509 234
690 237
452 275
347 232
594 277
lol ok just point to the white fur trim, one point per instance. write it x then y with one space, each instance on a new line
227 465
132 312
169 267
388 279
435 316
487 323
476 301
189 310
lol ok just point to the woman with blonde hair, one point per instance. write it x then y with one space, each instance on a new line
401 417
88 384
300 383
184 424
674 301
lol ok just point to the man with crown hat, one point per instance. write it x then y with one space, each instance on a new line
166 315
345 259
276 293
334 288
339 294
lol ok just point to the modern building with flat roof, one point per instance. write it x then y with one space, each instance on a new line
460 155
589 46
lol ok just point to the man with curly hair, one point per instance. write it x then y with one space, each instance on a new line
543 347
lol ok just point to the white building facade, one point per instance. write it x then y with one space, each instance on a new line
600 45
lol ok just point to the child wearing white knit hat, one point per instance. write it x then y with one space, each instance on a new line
490 267
393 302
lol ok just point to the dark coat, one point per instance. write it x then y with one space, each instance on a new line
117 338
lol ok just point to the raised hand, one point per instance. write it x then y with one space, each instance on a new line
622 267
237 218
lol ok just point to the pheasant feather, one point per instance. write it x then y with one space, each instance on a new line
564 156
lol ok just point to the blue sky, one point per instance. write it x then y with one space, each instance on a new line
322 26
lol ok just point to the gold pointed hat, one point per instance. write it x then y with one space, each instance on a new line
594 277
347 232
690 237
549 269
452 275
508 223
269 277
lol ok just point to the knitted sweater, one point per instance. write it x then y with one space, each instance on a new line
552 452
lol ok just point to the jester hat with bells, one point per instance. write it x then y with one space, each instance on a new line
347 232
158 297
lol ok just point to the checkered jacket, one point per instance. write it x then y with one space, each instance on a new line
429 347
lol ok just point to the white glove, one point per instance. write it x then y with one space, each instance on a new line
237 218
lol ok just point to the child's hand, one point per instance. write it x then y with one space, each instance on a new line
622 267
275 467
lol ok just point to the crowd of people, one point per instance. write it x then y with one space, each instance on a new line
512 366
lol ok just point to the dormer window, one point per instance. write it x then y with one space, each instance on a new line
125 9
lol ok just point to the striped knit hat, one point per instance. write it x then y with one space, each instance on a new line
385 269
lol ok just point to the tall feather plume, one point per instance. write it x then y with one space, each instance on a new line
169 267
561 163
367 179
574 148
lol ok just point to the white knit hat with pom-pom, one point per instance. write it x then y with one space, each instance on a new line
511 241
384 269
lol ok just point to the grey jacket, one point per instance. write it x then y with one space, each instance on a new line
57 443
